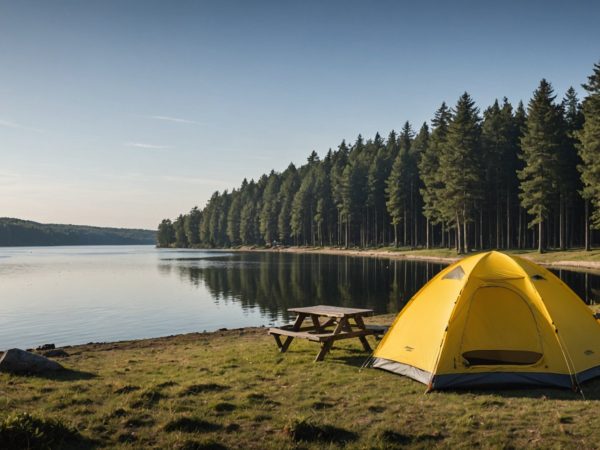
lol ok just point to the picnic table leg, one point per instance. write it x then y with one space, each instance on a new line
325 347
278 341
295 327
363 340
316 323
365 344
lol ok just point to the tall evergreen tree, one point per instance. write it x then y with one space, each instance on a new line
460 164
233 216
192 226
270 209
396 191
589 150
429 167
541 147
289 186
179 227
569 177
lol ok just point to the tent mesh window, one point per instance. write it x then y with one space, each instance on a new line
455 274
501 357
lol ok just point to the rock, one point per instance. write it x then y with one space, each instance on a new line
46 347
56 353
19 361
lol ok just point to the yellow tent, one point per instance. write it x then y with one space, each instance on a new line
493 319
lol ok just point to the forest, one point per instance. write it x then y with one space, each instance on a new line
17 232
507 177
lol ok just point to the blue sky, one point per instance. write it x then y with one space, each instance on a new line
120 113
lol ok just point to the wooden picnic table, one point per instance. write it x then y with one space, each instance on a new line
328 324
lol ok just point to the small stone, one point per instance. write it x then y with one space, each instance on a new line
19 361
55 353
46 347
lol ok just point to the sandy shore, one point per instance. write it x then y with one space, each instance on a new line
417 255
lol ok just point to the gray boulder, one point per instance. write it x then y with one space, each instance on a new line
19 361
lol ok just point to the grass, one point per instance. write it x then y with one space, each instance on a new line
232 389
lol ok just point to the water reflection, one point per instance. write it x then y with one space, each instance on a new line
585 284
274 282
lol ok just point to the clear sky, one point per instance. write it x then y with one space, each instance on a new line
121 113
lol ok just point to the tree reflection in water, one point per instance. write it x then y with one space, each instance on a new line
274 282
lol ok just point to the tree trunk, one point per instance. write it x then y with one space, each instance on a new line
347 228
465 237
520 232
540 236
481 228
458 236
498 222
588 245
404 229
427 235
396 235
443 226
508 236
561 225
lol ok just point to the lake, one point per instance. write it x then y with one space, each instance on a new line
74 295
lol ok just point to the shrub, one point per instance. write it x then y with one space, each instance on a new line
24 430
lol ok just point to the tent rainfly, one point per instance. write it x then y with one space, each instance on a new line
493 319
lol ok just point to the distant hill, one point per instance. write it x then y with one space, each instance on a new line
16 232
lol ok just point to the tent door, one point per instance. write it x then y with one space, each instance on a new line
500 329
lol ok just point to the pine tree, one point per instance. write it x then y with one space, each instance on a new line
324 203
192 226
569 177
233 218
396 191
541 146
270 209
500 147
289 186
303 210
460 164
179 227
420 149
429 166
249 234
337 171
589 150
376 191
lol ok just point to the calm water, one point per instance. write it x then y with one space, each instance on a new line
70 295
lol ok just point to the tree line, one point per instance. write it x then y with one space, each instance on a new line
17 232
509 177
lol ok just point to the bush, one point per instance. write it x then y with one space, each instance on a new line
24 430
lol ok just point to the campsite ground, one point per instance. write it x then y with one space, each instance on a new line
232 389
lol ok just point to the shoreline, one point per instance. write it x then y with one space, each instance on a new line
427 256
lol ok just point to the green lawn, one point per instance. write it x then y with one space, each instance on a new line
232 389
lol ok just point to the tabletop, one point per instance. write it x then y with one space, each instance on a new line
331 311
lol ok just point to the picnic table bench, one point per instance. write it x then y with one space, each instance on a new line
327 325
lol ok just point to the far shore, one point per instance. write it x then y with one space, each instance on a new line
576 259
